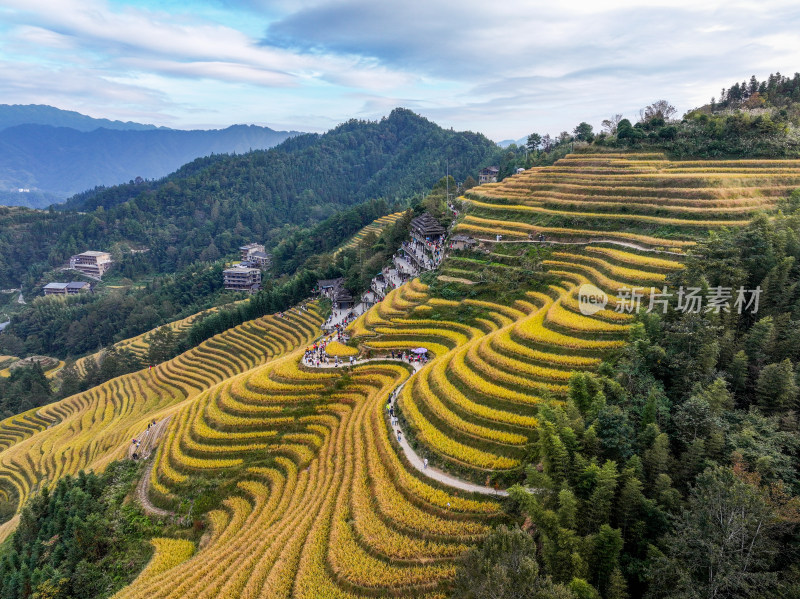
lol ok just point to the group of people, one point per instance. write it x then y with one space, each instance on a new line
409 357
405 269
429 254
381 288
317 356
136 443
394 421
349 316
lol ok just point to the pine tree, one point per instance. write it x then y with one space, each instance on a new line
738 372
602 497
776 389
70 380
605 557
617 586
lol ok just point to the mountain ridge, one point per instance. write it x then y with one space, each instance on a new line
44 114
52 162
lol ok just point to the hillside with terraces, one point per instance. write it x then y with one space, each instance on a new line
375 227
296 472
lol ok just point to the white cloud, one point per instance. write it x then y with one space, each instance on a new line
506 68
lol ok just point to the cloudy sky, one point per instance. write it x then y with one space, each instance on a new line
504 68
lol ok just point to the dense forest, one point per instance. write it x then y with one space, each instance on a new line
673 471
75 325
210 207
301 199
79 539
210 211
26 387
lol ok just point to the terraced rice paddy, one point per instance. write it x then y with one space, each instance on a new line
375 226
318 501
92 428
51 366
642 198
140 344
473 408
323 507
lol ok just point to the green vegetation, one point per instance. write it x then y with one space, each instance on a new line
504 568
78 540
79 324
26 387
302 199
298 249
673 470
266 301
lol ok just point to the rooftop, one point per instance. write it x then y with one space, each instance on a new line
342 295
323 283
461 237
427 225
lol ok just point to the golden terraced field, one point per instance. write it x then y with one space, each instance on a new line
318 500
473 408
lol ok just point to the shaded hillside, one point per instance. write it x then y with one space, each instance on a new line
400 155
54 163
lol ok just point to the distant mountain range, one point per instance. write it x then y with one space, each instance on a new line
12 115
507 142
48 154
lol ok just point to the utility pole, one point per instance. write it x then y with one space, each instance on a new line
447 180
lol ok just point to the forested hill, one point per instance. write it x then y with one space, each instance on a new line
54 163
211 206
398 156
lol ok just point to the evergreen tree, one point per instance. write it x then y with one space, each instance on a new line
505 567
776 388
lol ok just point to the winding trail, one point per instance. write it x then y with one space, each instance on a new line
150 438
412 456
627 244
142 491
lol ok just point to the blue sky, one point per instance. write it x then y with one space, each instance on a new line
502 68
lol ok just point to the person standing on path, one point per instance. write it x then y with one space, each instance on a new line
425 464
